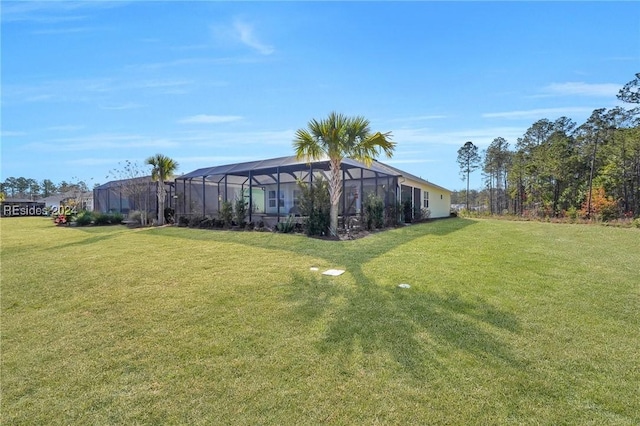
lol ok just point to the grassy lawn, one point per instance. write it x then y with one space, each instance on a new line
505 322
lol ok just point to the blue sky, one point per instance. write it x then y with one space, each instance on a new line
88 85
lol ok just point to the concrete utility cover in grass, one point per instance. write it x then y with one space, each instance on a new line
404 286
333 272
313 268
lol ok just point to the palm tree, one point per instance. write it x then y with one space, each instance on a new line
163 169
339 137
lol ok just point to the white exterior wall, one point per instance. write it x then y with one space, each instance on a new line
439 198
287 194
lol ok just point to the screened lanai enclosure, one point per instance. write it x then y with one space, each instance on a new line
271 189
127 195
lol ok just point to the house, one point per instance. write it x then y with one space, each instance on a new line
80 200
125 195
423 194
271 188
16 207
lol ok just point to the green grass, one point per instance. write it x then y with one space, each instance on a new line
504 323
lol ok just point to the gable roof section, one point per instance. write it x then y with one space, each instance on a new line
283 164
130 181
410 176
290 165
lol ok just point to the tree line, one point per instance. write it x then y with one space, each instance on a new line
33 189
561 167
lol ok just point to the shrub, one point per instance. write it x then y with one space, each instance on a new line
116 218
407 211
207 222
195 221
108 218
135 218
373 212
169 215
102 219
287 226
392 214
183 221
240 210
84 218
421 214
602 207
315 207
226 213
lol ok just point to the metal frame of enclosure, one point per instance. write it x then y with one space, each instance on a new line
271 186
126 195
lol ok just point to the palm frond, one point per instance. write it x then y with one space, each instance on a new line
163 167
307 146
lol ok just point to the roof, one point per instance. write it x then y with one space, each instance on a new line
290 165
20 200
68 194
410 176
120 182
286 165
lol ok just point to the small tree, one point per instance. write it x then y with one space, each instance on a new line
315 206
226 213
133 186
602 207
374 211
240 210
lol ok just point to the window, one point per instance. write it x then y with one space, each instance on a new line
425 199
272 199
296 197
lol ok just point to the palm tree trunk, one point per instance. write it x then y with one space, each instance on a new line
160 191
335 190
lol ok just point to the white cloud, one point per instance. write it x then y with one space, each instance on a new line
216 160
190 62
52 12
92 90
225 139
92 161
536 114
417 118
129 105
8 133
210 119
240 32
98 142
246 35
415 161
70 30
608 90
419 137
65 128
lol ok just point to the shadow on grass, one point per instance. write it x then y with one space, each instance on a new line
420 330
347 253
97 234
